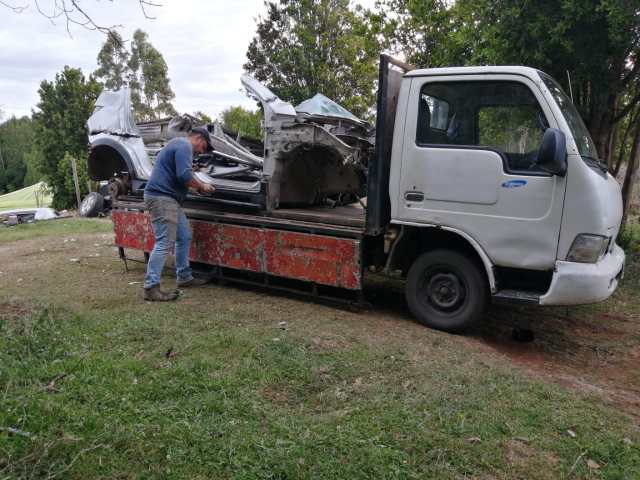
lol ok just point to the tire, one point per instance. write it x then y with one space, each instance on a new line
104 190
447 290
92 205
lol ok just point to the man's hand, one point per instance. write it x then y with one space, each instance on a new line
206 189
201 187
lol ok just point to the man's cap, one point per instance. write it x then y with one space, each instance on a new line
204 133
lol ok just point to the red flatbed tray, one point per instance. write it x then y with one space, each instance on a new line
317 253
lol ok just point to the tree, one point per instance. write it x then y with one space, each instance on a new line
421 31
243 122
33 159
202 116
64 107
143 70
151 93
113 62
597 42
16 140
304 47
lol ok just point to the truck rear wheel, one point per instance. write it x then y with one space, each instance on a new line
446 290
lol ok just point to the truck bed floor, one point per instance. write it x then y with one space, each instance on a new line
350 215
340 221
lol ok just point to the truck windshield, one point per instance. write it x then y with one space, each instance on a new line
583 139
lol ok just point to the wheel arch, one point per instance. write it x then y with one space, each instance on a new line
415 240
106 157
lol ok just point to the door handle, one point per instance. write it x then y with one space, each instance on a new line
414 196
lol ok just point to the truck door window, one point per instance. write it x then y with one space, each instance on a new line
515 130
497 115
438 112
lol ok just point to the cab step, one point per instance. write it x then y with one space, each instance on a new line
517 297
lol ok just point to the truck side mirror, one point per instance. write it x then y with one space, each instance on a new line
552 156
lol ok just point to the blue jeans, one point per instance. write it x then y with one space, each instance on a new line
170 228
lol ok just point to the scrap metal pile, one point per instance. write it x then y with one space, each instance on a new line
312 154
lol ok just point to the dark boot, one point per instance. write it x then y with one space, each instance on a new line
154 294
194 282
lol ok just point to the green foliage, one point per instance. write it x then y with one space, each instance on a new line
113 60
16 142
422 31
33 159
65 170
513 129
143 69
151 92
202 116
243 122
64 107
629 238
304 47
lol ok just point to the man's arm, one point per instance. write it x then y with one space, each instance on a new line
184 170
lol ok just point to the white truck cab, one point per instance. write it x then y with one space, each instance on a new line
501 157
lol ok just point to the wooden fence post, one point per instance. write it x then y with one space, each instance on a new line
74 167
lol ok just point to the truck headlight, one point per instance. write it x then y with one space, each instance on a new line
588 248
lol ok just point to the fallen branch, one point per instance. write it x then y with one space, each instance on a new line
68 467
576 463
15 431
51 386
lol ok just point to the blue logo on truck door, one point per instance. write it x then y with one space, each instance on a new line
514 183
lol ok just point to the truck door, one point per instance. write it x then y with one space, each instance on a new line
468 154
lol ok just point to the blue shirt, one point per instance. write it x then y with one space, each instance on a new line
171 171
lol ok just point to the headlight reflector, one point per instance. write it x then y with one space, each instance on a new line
587 248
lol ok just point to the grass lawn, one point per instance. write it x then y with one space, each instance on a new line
64 228
233 383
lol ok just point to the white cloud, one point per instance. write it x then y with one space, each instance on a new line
203 42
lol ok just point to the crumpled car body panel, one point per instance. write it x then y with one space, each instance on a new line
112 114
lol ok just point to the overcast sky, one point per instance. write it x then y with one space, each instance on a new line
203 42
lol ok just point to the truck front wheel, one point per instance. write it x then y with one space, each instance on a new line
446 290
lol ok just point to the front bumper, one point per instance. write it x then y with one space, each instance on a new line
579 283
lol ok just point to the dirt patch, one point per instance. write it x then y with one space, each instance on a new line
329 343
278 395
523 458
591 351
13 310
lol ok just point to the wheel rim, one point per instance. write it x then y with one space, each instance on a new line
443 290
86 205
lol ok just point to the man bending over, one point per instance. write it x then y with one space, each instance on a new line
164 195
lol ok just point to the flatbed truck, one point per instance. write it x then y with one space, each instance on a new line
484 186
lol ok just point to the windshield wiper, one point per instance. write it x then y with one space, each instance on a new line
596 162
